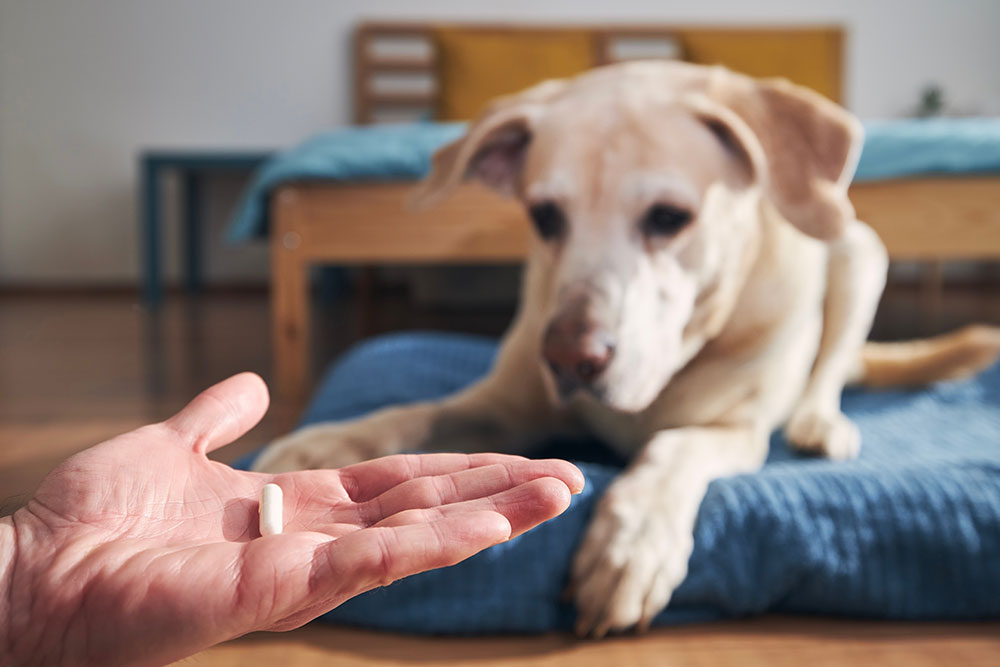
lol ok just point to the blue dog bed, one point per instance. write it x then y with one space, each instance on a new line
910 530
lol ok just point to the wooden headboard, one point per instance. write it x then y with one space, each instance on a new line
396 67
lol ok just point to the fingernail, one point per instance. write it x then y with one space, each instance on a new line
579 481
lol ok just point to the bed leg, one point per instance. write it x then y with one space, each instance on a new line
931 295
289 298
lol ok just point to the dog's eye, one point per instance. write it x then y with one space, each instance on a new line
549 220
663 220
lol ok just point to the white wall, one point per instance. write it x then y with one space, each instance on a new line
84 84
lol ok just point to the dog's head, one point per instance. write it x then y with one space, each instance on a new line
644 182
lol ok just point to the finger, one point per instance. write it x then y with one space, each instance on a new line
379 556
363 481
456 487
222 413
350 565
525 506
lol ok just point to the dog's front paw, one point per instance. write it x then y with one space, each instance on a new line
633 557
824 433
321 446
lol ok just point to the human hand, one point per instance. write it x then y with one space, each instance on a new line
141 550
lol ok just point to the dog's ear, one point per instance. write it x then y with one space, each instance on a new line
493 148
803 146
492 152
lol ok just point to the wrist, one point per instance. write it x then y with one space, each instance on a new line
25 619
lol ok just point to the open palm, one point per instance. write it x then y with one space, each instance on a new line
142 550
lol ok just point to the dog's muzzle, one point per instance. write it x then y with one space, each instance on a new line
577 352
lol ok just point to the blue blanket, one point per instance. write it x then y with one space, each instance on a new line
398 152
911 530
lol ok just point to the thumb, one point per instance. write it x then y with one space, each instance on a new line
222 413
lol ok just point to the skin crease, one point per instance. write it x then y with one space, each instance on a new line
141 550
744 317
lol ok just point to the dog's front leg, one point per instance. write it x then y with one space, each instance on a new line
484 417
636 549
500 413
855 278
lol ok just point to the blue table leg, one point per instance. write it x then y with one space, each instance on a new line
192 231
150 204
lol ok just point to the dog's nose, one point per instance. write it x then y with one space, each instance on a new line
576 355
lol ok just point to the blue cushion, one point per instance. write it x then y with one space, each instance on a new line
911 530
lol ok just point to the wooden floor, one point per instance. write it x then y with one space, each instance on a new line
77 369
772 641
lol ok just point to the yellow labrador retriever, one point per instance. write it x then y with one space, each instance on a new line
698 278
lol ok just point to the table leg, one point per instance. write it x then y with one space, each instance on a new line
149 198
192 231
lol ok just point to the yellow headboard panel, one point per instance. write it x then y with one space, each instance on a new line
448 71
475 66
809 56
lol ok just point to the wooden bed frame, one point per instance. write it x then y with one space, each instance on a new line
927 219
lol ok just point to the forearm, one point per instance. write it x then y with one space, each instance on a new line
8 555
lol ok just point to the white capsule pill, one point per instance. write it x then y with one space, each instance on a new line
270 510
